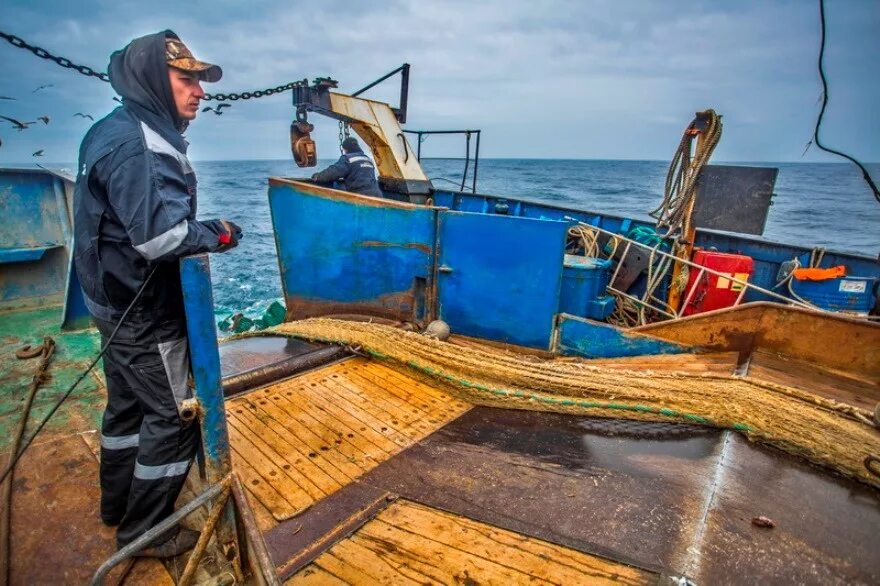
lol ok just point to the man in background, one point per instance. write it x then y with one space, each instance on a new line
134 218
354 169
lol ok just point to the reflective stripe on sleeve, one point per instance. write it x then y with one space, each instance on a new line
120 442
164 242
359 158
157 144
145 472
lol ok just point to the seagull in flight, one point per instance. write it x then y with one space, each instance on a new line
38 153
19 126
116 99
45 119
84 116
43 87
218 110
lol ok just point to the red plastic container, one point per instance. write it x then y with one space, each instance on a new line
712 291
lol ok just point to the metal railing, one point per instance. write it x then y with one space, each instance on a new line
655 252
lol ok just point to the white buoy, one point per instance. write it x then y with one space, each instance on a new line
437 329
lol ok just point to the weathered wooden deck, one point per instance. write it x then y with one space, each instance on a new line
302 439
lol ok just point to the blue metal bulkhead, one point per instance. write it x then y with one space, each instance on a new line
499 277
35 235
341 253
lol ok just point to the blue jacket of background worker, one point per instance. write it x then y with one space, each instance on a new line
135 198
354 169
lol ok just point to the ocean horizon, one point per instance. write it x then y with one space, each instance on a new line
816 205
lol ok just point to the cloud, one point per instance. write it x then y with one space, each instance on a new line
552 78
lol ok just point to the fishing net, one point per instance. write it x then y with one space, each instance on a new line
821 430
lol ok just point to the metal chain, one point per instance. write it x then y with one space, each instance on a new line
88 71
44 54
343 132
254 94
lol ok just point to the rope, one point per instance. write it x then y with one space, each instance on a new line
823 431
589 239
673 213
41 375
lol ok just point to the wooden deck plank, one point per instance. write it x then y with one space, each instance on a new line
438 399
519 552
299 405
340 407
296 455
358 454
308 436
410 379
352 443
459 565
270 471
358 566
305 445
416 399
815 379
276 450
388 418
317 576
262 491
418 408
409 542
314 432
388 402
341 422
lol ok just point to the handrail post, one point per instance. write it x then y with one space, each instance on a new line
198 301
690 294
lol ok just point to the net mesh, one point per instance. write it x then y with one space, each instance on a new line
823 431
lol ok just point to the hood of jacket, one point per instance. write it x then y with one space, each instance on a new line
139 73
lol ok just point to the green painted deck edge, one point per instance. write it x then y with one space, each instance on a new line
73 353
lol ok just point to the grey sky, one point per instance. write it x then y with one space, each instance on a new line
545 79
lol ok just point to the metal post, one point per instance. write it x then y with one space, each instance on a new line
198 301
419 148
690 294
476 162
467 158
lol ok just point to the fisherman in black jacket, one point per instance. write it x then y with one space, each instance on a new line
354 168
135 216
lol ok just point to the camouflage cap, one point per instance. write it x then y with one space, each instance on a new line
180 57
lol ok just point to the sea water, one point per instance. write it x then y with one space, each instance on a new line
825 205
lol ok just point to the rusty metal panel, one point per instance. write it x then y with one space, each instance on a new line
298 541
674 499
57 536
341 253
246 363
825 526
637 499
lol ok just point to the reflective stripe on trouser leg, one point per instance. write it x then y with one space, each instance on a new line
166 445
120 431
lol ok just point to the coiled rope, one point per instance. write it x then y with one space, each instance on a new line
673 213
823 431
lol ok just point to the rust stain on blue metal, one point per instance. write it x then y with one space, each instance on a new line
195 276
342 253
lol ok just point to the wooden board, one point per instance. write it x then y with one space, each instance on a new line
408 543
302 439
815 379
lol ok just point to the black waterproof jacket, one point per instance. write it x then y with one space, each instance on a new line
135 198
356 170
